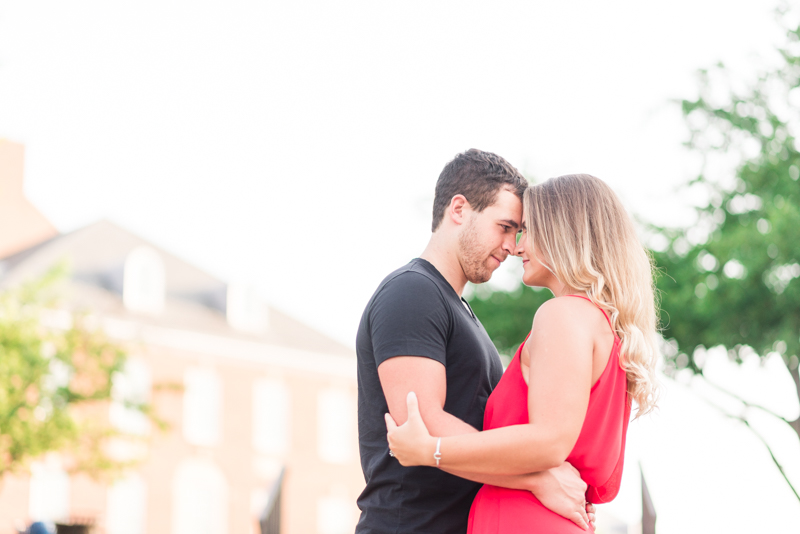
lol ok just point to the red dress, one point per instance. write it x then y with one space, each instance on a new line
598 453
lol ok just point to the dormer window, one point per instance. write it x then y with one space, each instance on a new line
143 281
244 309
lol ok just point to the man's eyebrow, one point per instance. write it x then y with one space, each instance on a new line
510 222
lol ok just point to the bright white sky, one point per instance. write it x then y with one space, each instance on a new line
296 145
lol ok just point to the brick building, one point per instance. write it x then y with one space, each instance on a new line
260 393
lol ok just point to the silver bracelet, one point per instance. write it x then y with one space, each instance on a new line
437 455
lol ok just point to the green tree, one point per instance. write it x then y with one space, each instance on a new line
507 317
52 382
733 278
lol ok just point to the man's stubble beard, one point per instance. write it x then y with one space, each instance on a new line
473 259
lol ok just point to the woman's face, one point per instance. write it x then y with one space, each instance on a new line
534 271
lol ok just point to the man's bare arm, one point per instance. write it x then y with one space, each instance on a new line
427 378
559 491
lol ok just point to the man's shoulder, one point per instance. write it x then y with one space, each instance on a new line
412 276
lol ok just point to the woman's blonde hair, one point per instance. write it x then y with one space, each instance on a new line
587 240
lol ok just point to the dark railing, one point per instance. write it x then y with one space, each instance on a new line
270 519
648 510
79 526
72 529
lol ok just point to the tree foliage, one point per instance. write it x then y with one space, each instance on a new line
507 317
54 381
733 278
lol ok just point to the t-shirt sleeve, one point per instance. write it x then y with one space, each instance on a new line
409 318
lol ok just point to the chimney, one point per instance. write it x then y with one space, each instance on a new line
21 224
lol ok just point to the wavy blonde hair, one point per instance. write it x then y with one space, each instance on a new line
587 240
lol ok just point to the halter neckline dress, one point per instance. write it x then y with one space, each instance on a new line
598 454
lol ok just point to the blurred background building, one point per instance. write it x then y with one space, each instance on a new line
255 402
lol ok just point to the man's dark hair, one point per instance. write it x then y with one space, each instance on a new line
477 175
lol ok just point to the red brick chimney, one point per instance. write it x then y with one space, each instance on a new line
21 224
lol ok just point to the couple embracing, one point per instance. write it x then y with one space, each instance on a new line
483 451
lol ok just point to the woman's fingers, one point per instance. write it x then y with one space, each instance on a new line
407 440
390 424
413 406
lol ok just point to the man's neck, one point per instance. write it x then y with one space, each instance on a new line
442 255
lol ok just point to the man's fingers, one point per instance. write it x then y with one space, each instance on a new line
579 520
585 519
413 405
590 513
390 424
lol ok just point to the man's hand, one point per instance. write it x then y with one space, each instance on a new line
590 511
562 491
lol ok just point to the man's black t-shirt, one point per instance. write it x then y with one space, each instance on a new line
416 312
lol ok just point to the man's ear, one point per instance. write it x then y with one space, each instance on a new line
459 209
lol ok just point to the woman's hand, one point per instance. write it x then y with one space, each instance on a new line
410 442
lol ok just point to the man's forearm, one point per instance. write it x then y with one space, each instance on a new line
560 490
518 482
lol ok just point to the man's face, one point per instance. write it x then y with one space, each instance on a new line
489 237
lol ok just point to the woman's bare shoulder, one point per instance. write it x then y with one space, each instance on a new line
560 325
569 310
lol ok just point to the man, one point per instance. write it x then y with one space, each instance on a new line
418 334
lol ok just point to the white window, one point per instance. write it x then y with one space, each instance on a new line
336 425
199 499
334 515
202 407
271 412
143 281
130 387
244 308
49 491
126 506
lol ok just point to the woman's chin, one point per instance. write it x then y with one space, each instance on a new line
531 282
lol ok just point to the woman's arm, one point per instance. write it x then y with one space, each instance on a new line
560 351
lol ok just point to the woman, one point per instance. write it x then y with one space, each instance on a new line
567 394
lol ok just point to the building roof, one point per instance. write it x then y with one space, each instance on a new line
194 299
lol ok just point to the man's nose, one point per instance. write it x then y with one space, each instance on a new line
510 244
